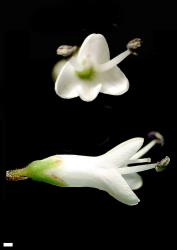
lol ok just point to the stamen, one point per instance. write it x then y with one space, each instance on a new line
144 160
145 149
162 164
156 135
66 50
131 46
157 139
116 60
135 169
134 44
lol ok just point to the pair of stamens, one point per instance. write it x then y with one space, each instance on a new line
67 50
159 166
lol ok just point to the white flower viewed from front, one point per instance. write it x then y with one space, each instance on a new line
111 172
90 70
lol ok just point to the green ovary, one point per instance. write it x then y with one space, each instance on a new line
38 171
87 74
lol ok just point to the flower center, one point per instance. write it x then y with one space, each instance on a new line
86 74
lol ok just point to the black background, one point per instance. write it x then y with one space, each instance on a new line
37 123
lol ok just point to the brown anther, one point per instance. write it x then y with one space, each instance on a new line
66 50
134 44
156 135
162 164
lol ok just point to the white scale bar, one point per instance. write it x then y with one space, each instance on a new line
7 244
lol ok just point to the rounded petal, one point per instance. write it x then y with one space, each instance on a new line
95 48
120 155
89 91
67 83
57 68
114 82
135 181
116 186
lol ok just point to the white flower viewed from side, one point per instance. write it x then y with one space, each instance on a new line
114 172
90 70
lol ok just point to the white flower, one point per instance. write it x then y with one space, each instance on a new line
90 70
109 172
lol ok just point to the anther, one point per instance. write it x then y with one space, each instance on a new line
133 45
66 50
162 164
156 135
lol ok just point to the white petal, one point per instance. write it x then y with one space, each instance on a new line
95 48
67 83
117 187
134 180
89 91
114 82
120 155
57 68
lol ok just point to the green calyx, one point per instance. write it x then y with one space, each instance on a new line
37 170
86 74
